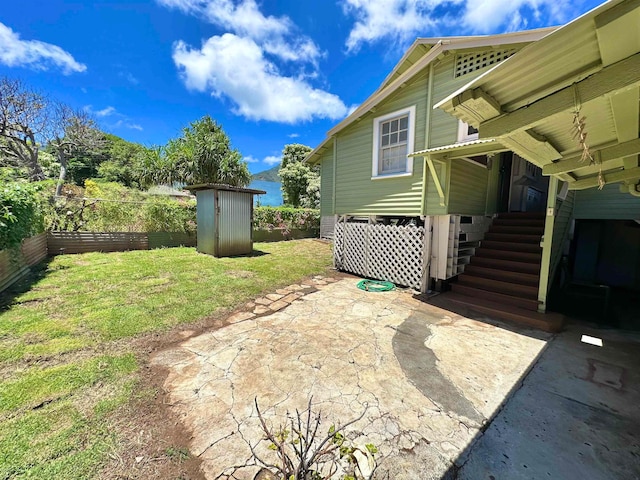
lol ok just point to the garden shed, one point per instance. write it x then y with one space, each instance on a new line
224 214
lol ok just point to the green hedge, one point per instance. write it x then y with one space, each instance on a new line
286 218
21 214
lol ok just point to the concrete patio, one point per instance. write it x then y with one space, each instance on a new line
433 386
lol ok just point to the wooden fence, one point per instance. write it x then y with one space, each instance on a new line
14 264
81 242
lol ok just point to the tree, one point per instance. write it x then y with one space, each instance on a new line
72 132
203 154
122 161
24 117
29 121
299 180
155 167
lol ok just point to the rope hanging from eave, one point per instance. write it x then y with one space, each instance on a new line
580 132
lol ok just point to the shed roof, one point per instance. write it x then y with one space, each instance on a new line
220 186
590 66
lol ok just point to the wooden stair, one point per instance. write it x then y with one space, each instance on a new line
502 278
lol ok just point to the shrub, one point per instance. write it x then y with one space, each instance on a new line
287 218
20 214
169 216
111 207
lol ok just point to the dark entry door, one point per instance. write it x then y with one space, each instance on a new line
504 181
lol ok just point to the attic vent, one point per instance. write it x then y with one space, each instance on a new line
475 61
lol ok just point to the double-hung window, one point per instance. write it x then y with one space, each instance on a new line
392 142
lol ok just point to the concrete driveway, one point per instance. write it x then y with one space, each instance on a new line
430 381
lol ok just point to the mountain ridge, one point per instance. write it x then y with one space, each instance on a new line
270 175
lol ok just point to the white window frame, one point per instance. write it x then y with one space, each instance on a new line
463 135
411 112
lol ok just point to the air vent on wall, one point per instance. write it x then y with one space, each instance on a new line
475 61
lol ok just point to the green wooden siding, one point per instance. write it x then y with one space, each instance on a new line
356 192
606 204
326 182
468 188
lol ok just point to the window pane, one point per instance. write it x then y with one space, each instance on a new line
385 140
394 138
394 125
404 123
393 159
385 127
403 136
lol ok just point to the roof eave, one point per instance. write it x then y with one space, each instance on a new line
456 105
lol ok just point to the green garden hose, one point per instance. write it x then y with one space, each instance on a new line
375 286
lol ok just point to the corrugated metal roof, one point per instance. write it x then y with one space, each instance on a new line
458 146
220 186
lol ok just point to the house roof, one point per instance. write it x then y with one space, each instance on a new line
591 66
421 53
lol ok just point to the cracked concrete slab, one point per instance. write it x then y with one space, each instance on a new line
428 379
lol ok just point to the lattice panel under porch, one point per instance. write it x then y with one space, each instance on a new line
395 254
382 252
355 257
338 246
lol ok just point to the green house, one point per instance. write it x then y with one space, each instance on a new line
471 166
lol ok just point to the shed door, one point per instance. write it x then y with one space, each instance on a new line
234 223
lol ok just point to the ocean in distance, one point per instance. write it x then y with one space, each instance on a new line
273 197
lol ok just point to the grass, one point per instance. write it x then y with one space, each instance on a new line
67 356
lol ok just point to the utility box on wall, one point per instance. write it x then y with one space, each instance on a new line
224 214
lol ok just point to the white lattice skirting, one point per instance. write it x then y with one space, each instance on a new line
382 252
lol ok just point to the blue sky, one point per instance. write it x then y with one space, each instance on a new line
271 72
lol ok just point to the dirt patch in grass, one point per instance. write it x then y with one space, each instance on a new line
153 442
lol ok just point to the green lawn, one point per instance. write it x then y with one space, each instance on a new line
67 360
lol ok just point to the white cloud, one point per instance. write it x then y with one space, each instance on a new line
109 111
236 68
127 124
293 135
277 36
129 77
400 21
272 160
105 112
34 54
250 159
